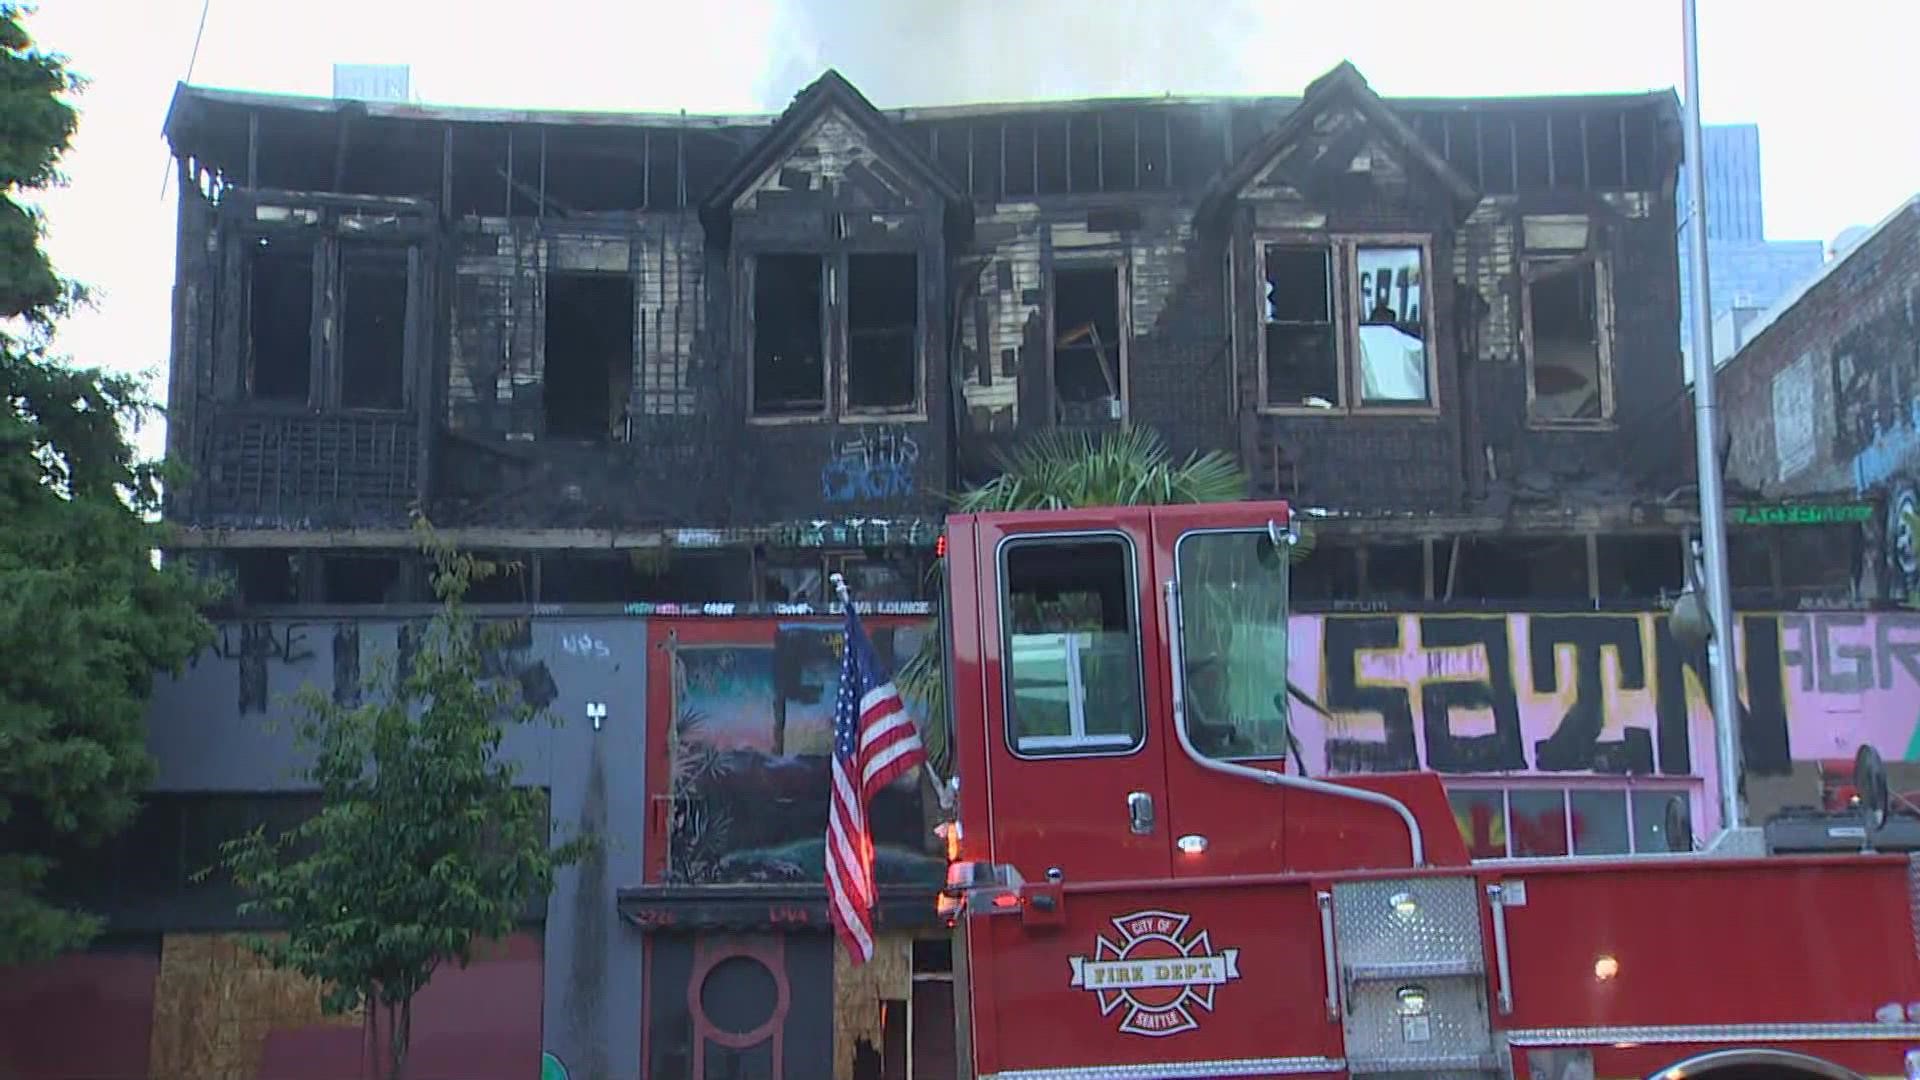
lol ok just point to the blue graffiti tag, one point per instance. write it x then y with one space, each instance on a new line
874 465
1888 452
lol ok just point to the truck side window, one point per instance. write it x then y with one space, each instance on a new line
1233 643
1072 646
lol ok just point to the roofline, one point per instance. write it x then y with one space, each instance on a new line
1787 303
185 93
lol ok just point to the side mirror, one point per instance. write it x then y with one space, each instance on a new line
1870 780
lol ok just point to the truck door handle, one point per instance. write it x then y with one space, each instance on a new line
1140 812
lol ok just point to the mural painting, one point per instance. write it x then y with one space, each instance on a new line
747 744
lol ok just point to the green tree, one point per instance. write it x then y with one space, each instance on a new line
1060 470
425 843
87 616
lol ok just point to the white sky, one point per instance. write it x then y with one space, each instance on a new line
1830 84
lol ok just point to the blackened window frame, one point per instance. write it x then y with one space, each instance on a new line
1535 266
1343 252
836 327
326 373
1117 263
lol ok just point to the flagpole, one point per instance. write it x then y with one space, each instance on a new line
1713 528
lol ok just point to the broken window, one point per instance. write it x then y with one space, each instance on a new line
589 353
1567 371
789 336
1393 356
1302 359
883 322
1086 352
1072 648
373 330
279 361
1321 344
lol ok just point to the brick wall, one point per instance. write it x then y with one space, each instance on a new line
1824 400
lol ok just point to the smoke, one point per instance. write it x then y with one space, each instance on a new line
924 52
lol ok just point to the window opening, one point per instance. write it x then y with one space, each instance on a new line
1392 337
1524 822
789 339
1396 572
1302 358
373 331
1482 818
1233 643
1599 822
265 576
1086 353
883 321
1537 822
279 320
589 354
361 579
1072 646
1563 310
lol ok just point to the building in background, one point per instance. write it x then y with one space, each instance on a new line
1822 403
1749 273
680 369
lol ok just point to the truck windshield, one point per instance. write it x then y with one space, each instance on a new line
1233 643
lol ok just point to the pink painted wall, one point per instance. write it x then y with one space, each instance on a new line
1596 694
477 1023
88 1015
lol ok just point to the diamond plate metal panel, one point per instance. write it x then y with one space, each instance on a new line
1453 1024
1414 921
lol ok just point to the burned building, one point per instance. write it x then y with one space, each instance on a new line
679 369
669 358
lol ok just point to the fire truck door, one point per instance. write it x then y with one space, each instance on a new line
1225 622
1076 766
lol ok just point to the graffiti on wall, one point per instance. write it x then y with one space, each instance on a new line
748 762
1597 693
878 463
255 647
1876 392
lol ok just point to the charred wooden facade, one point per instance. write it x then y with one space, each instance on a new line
773 344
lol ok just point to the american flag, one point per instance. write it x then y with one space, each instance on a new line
874 744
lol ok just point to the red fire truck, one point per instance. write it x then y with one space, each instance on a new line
1145 882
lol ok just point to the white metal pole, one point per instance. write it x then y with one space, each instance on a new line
1713 527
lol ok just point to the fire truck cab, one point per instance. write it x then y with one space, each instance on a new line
1145 880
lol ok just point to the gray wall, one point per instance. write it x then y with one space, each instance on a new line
222 727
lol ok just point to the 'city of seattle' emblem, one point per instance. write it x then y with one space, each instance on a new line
1156 971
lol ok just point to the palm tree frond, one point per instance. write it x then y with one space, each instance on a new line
1059 470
